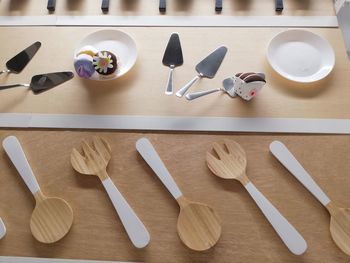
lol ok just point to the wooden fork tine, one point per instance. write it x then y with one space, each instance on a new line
212 162
233 147
88 151
219 150
102 147
78 161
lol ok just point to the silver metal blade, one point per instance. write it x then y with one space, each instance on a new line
210 65
342 8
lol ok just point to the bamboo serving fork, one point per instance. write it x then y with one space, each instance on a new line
198 225
52 217
231 163
94 161
340 217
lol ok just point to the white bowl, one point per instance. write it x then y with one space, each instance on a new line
115 41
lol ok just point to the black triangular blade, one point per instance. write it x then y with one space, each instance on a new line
43 82
210 65
18 62
173 52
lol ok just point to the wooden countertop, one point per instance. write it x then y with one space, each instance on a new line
247 236
97 232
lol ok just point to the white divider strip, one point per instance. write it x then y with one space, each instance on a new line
28 20
200 21
172 21
159 123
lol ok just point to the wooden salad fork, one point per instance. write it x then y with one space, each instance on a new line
340 217
231 163
94 161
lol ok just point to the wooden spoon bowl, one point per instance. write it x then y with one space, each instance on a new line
198 225
51 219
340 226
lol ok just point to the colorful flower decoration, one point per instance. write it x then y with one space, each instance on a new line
105 62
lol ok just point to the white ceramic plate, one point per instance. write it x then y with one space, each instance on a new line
301 56
115 41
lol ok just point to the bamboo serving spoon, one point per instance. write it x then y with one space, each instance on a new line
52 217
198 224
94 162
340 217
232 164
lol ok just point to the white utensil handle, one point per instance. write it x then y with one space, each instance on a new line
137 232
196 95
289 235
185 88
50 260
169 85
15 152
149 154
281 152
2 229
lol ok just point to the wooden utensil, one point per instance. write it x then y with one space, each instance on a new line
198 224
2 229
94 162
52 217
231 163
340 217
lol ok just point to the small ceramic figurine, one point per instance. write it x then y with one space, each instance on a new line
90 62
245 85
105 62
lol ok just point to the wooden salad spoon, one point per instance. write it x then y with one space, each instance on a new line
340 217
94 162
231 163
198 224
52 217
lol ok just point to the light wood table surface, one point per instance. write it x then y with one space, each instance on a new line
97 232
174 7
247 236
141 91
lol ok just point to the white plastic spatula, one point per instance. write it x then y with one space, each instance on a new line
2 229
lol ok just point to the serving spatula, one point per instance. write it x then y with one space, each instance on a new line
2 229
207 68
105 6
51 5
162 6
340 217
43 82
18 62
172 58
